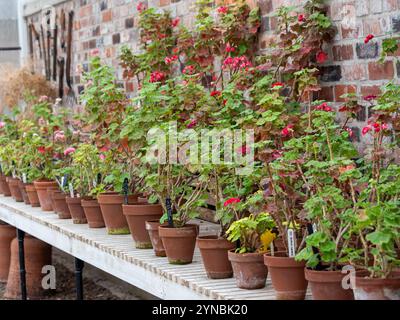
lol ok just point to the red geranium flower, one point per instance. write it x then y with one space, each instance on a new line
229 48
140 7
230 201
370 97
368 38
215 93
157 76
222 10
365 130
192 124
301 18
277 84
324 107
188 70
41 150
321 56
175 22
169 60
287 130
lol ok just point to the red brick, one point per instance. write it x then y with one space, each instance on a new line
378 71
85 11
326 94
370 90
354 71
343 52
343 89
372 26
352 33
107 16
165 3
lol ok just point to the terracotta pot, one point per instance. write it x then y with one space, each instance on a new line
60 205
22 188
137 215
50 192
93 214
377 289
5 189
7 234
76 210
32 195
37 255
44 198
327 285
248 269
287 276
214 252
179 243
111 209
152 229
13 184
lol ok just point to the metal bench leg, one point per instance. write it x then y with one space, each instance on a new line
22 271
79 264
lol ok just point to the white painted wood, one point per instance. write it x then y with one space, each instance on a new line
118 256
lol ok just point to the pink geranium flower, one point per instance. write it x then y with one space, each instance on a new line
222 10
192 124
2 124
69 151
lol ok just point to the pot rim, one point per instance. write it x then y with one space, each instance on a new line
281 260
245 257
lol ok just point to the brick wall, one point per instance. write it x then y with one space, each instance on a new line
352 66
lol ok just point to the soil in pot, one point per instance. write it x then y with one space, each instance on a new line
13 184
22 188
44 198
60 205
248 269
32 195
214 252
5 189
136 216
93 214
7 234
76 210
377 289
37 255
287 276
152 229
111 209
327 285
179 243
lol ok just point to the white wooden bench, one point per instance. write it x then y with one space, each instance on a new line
117 255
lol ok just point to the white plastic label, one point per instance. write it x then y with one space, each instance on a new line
14 175
24 177
271 246
71 190
62 181
314 227
291 236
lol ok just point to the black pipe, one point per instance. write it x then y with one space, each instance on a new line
79 264
22 271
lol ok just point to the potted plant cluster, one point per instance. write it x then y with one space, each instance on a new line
310 204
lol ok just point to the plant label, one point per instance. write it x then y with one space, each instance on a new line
314 227
271 246
24 177
62 181
169 211
291 236
14 175
71 189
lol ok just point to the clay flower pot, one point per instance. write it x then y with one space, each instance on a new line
76 210
152 229
375 288
93 214
214 252
44 198
13 184
60 205
5 189
248 269
22 188
327 285
37 255
179 243
32 195
7 234
50 192
287 276
111 209
137 215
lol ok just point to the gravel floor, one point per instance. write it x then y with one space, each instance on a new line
66 288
